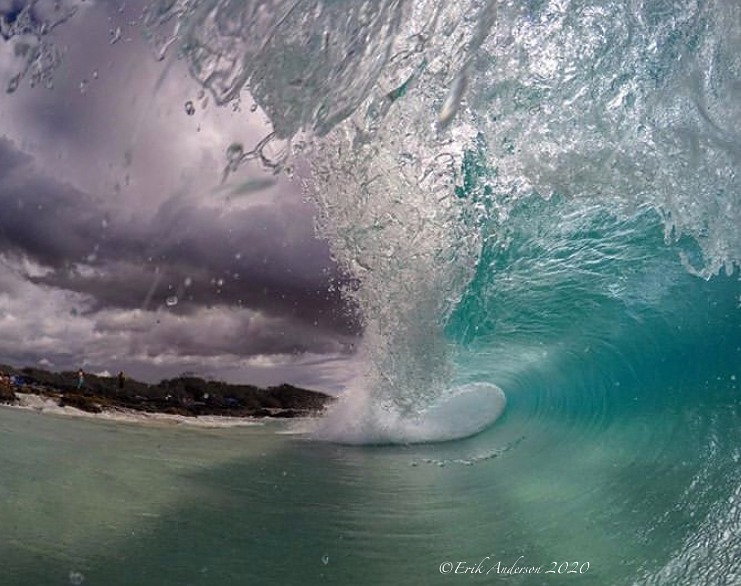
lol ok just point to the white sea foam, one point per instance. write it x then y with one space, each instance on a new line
461 412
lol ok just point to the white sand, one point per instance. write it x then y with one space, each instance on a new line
48 405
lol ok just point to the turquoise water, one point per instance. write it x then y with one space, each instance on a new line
619 446
642 482
541 196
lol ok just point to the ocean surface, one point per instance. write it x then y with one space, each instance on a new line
540 203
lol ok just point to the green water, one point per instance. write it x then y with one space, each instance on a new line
111 503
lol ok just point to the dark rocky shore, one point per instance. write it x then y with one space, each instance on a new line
185 395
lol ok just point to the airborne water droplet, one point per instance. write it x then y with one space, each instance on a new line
452 101
115 35
13 83
234 152
325 559
190 109
76 578
234 156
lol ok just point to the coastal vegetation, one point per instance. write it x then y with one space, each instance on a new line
186 395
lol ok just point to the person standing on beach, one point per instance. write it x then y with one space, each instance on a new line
121 380
80 379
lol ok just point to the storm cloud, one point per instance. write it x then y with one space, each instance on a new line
192 254
118 244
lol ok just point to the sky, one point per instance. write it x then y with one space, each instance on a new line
121 249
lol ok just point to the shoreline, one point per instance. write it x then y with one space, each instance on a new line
184 400
46 405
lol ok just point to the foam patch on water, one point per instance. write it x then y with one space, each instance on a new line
462 412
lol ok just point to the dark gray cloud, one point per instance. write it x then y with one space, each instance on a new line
187 288
117 244
40 218
264 257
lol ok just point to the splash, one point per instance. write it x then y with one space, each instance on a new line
458 413
27 27
427 125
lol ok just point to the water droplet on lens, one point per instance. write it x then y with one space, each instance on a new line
76 578
190 109
171 301
325 559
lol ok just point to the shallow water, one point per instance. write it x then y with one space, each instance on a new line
120 503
